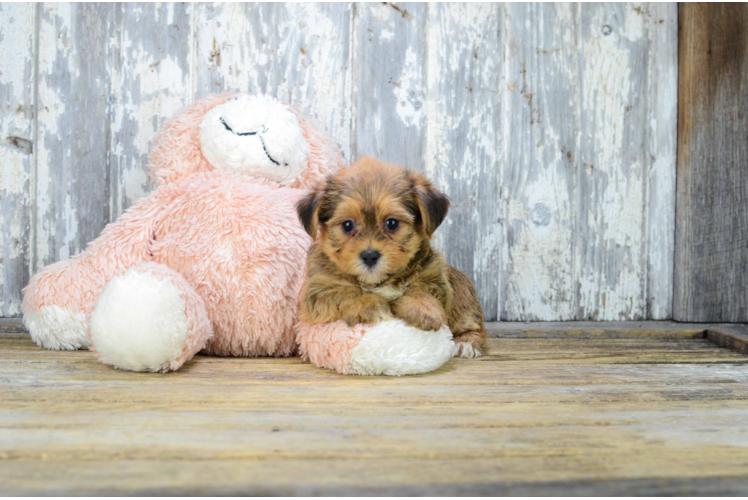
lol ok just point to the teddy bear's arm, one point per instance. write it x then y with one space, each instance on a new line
58 299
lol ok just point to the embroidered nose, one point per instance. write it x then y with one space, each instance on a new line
370 257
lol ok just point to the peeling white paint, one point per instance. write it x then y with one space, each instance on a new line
543 143
633 28
70 217
151 72
663 119
563 198
463 137
16 32
409 98
15 173
611 254
55 46
16 146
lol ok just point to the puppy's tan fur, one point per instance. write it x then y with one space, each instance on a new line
410 281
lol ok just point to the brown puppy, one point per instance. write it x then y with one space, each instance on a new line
373 260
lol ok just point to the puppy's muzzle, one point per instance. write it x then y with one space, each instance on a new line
370 258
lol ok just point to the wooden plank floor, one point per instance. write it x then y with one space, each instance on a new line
658 414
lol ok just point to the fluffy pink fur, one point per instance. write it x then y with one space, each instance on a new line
176 151
75 284
328 345
232 242
236 241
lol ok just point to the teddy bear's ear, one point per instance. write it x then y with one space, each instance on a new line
176 150
308 210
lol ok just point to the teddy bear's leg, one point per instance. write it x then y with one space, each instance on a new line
389 348
59 298
55 324
149 319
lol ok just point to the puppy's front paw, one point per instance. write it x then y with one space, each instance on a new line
422 321
369 313
420 310
467 350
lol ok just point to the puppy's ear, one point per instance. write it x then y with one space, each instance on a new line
308 210
432 203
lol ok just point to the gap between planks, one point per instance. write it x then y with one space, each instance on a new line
732 336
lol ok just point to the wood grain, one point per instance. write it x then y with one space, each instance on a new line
72 154
599 330
610 247
662 80
465 136
17 83
551 127
150 70
389 82
538 177
711 239
589 212
733 337
597 416
702 486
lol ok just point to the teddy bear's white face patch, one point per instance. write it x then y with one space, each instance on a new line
254 135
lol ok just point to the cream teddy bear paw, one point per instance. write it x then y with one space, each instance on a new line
389 348
394 348
59 328
148 319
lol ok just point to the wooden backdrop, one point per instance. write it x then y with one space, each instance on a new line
711 257
552 128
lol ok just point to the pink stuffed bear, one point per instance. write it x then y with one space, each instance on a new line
213 260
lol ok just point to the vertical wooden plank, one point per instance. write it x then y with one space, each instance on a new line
464 137
711 243
151 52
389 82
73 129
542 96
610 245
298 53
17 23
662 125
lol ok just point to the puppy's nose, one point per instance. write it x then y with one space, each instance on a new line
370 257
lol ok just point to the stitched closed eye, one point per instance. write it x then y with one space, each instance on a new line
264 130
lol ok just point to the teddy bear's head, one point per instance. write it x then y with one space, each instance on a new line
249 134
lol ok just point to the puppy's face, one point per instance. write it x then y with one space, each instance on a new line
372 218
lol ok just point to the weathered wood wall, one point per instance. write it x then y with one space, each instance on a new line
711 259
552 128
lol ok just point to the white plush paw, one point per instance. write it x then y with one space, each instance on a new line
55 327
466 350
394 348
139 323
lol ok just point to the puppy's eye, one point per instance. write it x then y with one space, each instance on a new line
347 226
392 224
